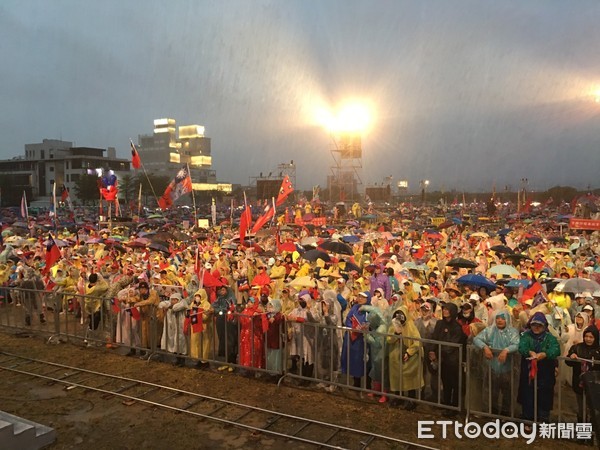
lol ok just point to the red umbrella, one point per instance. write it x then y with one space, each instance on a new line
287 247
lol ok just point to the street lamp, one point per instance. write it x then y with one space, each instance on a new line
424 184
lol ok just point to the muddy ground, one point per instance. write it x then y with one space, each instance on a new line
85 419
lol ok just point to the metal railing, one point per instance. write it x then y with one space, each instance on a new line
331 357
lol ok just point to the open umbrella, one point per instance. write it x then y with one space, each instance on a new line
337 247
480 234
515 257
504 270
477 280
462 262
559 250
302 282
504 231
313 255
575 285
350 238
501 249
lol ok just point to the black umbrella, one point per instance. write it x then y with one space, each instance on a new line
501 249
462 262
515 257
559 239
337 247
313 255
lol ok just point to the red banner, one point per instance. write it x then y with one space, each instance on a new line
584 224
317 221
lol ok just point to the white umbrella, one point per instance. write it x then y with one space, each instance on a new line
575 285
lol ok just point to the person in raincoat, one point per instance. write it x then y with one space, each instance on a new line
275 334
572 335
253 325
539 350
201 337
405 356
173 337
304 320
95 289
581 355
499 342
146 300
329 340
378 372
353 361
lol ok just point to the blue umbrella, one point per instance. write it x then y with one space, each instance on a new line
477 280
457 221
518 283
504 231
350 238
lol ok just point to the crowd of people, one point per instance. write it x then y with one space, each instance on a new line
387 304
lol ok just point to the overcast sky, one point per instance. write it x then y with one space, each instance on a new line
464 93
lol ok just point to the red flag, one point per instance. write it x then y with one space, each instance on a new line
136 162
194 319
48 283
135 313
262 220
64 194
114 305
531 291
245 222
265 323
181 184
355 326
285 190
52 254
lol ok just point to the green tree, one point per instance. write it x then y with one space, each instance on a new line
127 187
153 185
86 188
559 194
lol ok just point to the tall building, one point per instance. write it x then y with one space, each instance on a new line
55 161
169 147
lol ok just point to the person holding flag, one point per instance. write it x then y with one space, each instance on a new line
199 320
173 338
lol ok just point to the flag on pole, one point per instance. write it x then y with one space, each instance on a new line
245 221
136 162
52 254
24 210
285 190
265 218
181 184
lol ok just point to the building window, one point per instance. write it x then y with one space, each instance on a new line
51 168
42 154
66 164
68 178
75 177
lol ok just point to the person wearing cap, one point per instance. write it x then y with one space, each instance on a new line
353 345
277 274
446 358
586 350
425 325
539 350
379 301
173 336
454 294
588 309
499 341
226 323
146 300
561 299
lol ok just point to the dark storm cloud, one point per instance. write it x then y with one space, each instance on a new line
467 93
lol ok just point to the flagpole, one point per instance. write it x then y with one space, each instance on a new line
55 208
146 173
140 201
245 209
193 196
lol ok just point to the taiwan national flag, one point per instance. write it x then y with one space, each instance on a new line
52 254
285 190
194 319
114 305
135 313
181 184
136 162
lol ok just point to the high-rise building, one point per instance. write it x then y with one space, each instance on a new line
169 147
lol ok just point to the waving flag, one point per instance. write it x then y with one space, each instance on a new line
181 184
285 190
52 254
193 318
136 162
24 210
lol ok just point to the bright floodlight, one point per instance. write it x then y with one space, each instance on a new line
351 118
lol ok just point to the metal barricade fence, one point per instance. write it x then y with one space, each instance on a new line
306 352
493 389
